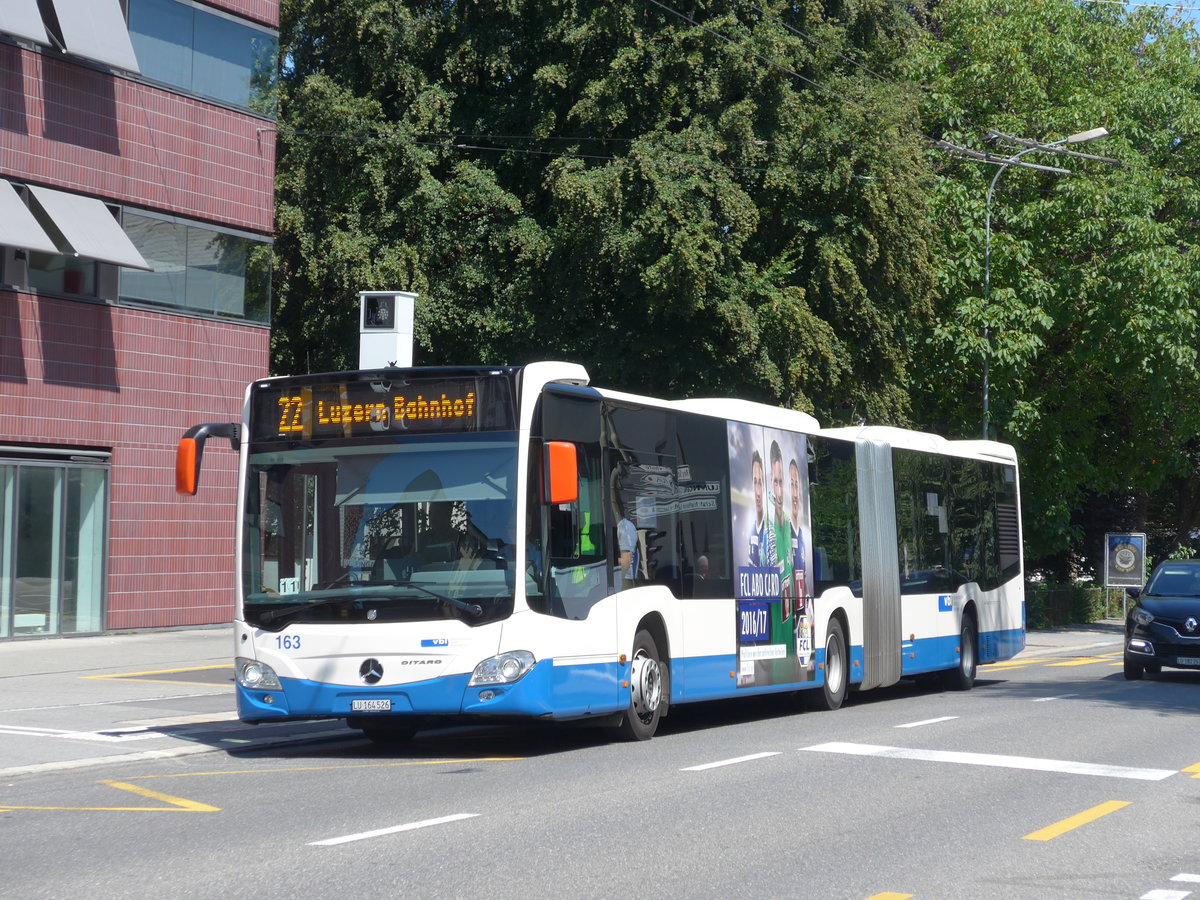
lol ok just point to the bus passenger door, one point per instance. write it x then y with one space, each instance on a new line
574 574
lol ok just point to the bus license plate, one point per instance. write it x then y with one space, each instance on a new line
370 705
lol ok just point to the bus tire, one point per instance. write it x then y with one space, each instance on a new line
962 676
646 684
836 668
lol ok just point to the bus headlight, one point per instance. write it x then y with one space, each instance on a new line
503 669
257 676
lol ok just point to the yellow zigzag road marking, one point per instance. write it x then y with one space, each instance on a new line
177 804
140 676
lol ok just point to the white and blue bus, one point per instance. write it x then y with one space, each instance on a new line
417 544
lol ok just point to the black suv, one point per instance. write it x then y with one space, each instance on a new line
1163 625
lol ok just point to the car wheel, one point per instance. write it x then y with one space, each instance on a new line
1133 669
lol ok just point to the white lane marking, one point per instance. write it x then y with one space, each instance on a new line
379 832
994 759
1184 876
1165 895
112 702
112 736
198 719
730 762
1059 697
927 722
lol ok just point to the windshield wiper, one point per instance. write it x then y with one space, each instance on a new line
282 612
473 609
364 594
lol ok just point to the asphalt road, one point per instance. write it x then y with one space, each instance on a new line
1054 778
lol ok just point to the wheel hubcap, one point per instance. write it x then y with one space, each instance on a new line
833 665
645 682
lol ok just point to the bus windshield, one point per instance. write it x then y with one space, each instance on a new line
393 529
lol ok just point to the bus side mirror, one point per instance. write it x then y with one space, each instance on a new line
191 449
561 472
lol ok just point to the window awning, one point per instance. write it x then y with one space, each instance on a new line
21 18
18 227
89 227
96 29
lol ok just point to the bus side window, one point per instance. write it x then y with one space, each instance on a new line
641 465
833 492
702 474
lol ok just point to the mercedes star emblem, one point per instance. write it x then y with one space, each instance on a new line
371 671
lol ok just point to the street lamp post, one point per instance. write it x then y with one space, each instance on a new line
1003 164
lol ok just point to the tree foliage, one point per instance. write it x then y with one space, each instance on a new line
731 204
1095 282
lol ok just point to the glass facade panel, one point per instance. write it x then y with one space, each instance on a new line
158 29
35 587
164 247
7 487
83 571
200 269
52 548
205 53
216 276
55 272
62 274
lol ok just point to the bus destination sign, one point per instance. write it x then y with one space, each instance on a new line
303 410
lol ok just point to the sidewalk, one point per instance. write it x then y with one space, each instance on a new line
1099 637
80 702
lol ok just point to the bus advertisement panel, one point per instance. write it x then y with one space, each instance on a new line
770 555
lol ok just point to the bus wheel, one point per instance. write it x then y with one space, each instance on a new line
833 691
645 690
962 676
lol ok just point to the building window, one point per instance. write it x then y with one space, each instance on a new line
207 53
62 274
197 268
52 547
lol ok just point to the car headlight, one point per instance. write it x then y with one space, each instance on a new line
502 669
257 676
1142 617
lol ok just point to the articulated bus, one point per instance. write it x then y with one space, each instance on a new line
419 546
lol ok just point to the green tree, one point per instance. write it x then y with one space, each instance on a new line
732 202
1095 276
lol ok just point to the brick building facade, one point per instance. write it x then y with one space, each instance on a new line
137 162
